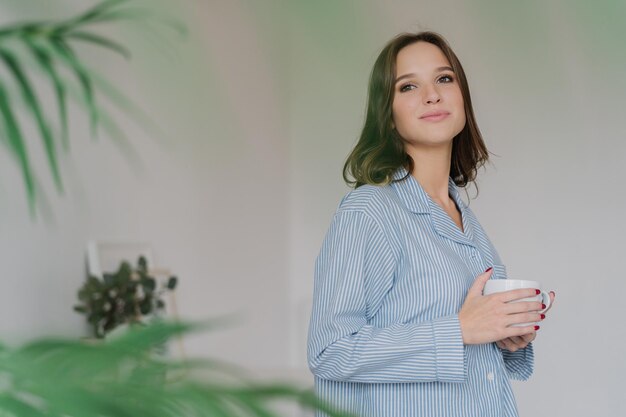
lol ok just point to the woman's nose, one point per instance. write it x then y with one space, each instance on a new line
431 95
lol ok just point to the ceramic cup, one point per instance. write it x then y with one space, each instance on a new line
499 285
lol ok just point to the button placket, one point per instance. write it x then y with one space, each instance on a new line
474 260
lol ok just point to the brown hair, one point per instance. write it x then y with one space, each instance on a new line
380 149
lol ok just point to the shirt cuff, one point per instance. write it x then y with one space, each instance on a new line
449 349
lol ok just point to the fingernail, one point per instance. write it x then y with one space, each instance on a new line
489 269
536 328
543 316
537 291
543 306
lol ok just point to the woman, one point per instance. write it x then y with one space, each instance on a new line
399 325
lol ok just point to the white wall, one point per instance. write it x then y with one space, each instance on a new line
260 106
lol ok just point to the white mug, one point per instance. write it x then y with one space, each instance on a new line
499 285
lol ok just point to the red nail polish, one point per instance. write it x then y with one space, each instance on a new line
489 269
543 306
536 328
537 292
543 316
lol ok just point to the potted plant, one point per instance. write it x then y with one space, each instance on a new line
125 297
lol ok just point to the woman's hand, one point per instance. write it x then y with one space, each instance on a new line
488 318
515 343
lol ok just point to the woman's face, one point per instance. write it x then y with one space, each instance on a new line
425 83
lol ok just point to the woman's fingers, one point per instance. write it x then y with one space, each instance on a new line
507 344
523 318
519 341
510 345
515 343
512 295
522 307
519 331
529 337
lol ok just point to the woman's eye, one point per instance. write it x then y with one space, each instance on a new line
446 79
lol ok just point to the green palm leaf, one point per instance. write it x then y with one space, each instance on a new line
19 407
51 45
119 100
15 30
67 56
100 41
90 16
141 15
123 377
15 68
16 143
45 60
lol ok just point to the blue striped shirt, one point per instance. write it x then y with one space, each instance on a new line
384 337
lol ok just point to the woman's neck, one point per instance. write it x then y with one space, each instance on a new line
431 168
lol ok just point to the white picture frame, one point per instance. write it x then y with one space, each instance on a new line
106 256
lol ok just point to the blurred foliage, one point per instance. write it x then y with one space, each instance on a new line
125 296
49 47
121 377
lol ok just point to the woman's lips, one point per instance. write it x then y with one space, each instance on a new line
435 117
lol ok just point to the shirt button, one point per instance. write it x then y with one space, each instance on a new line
491 376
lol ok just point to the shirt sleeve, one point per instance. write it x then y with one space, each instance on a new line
519 364
353 273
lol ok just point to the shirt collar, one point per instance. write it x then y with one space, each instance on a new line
415 198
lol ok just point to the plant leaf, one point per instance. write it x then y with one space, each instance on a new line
90 15
17 144
148 284
120 100
19 408
67 55
142 338
171 283
44 59
80 309
142 15
33 103
145 306
113 131
21 28
121 378
252 404
142 264
100 41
